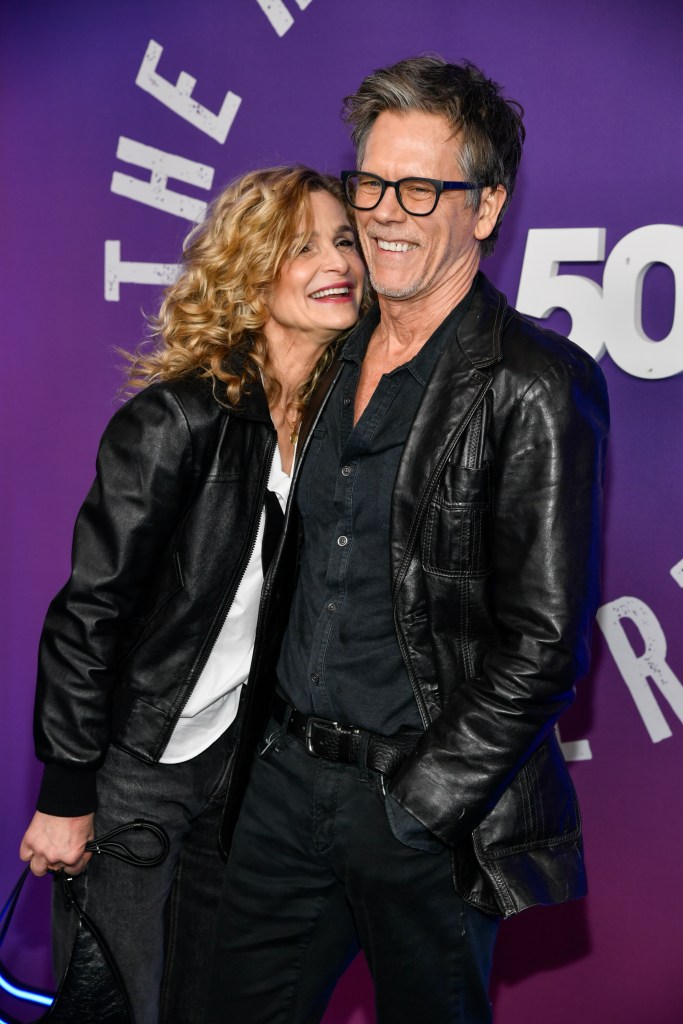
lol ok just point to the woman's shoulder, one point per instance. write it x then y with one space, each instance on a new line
172 414
194 397
198 403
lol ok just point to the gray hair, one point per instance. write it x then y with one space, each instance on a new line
488 126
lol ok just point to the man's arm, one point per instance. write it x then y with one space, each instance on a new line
547 524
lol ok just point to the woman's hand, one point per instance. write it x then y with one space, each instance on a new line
52 843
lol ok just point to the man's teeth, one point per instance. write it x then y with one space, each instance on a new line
395 246
324 292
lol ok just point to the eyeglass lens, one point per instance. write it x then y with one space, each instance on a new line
416 195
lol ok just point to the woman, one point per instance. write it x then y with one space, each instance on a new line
145 650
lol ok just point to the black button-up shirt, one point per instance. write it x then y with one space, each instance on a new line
340 657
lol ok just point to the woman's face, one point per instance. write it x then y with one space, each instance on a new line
318 292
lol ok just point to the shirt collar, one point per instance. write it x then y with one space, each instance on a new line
357 342
423 362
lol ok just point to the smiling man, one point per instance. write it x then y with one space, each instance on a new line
434 593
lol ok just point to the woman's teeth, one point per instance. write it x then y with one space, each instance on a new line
324 292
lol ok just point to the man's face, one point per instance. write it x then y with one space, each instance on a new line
414 256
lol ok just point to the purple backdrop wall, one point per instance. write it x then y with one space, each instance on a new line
602 87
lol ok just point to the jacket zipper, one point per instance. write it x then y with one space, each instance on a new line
475 454
417 523
298 462
267 590
229 595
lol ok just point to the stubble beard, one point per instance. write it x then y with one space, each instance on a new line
407 291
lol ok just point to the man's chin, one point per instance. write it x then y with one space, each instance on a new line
394 289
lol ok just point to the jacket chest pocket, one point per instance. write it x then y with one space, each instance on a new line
456 539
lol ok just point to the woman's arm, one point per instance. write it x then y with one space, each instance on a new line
51 843
143 484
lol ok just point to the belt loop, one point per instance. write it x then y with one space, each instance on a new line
363 749
283 728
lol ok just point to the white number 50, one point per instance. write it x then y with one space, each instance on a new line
608 317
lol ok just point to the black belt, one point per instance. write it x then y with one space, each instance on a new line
345 743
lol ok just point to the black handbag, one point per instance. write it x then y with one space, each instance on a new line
92 990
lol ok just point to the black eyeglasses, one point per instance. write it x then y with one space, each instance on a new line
417 196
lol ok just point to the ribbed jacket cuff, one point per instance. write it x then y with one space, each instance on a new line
67 792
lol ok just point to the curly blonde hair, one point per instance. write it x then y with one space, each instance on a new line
219 304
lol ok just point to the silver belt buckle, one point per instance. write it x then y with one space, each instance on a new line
323 723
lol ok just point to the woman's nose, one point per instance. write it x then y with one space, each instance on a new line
336 258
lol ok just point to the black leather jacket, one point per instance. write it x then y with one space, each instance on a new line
160 546
495 551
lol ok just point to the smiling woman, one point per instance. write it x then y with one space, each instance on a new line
271 240
317 293
146 650
318 290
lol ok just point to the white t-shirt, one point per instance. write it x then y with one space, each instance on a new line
213 704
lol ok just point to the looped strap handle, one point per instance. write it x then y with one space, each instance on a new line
107 844
103 844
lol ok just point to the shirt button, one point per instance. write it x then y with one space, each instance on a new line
346 471
315 678
347 400
331 607
342 541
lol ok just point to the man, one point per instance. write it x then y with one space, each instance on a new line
409 790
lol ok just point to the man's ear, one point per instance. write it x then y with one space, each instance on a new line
491 204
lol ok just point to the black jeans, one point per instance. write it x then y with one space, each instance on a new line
314 872
158 922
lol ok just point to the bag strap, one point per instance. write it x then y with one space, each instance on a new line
7 911
104 844
107 844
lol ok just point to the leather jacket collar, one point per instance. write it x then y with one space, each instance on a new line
479 335
253 404
458 385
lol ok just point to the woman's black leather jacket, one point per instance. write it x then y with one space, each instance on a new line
160 546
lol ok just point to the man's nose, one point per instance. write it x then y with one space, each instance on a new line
389 207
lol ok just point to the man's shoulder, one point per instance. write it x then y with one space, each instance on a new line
490 323
535 347
499 339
